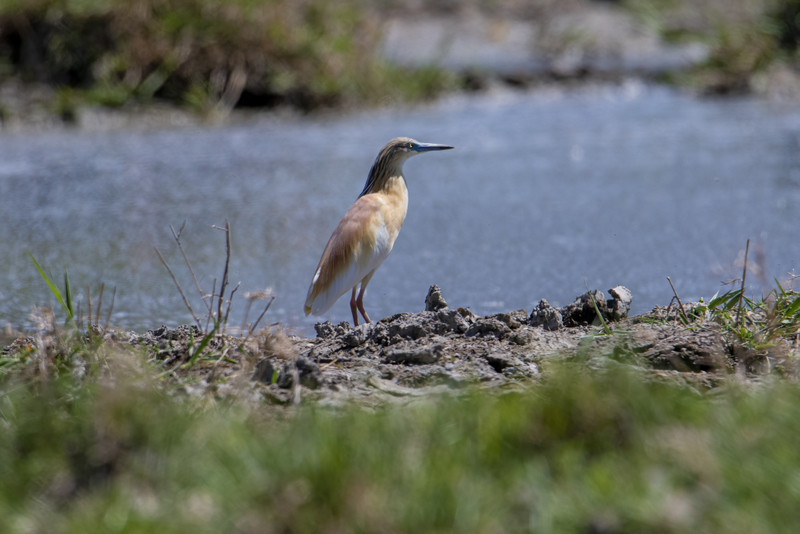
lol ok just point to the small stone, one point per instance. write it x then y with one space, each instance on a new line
546 316
513 319
415 355
265 372
327 329
307 371
467 314
310 375
521 337
434 301
453 320
358 335
501 361
621 303
489 326
582 311
324 330
423 324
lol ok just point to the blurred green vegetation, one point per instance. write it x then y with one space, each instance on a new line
212 55
95 437
580 452
207 53
745 37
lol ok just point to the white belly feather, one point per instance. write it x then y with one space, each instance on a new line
365 260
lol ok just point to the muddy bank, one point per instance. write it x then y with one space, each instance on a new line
444 350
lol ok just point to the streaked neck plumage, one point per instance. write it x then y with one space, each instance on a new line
386 180
387 169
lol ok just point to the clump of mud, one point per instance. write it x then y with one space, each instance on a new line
441 349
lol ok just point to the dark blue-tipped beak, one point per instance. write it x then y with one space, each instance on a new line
427 147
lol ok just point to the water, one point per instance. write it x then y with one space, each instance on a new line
545 192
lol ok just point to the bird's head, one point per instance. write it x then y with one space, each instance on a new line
402 148
391 158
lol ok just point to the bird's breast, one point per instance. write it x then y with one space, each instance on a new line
394 199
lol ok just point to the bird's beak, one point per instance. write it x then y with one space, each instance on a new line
427 147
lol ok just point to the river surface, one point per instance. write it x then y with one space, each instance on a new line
545 192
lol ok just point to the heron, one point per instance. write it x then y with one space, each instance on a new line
367 232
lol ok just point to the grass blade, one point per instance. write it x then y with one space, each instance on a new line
203 344
68 295
54 288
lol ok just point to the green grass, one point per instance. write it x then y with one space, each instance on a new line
94 438
577 452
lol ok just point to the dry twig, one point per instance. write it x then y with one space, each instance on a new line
89 304
111 308
179 288
683 312
225 271
177 236
228 311
99 304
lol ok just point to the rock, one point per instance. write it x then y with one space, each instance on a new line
327 329
310 375
358 335
434 301
453 320
418 325
681 349
643 340
582 311
307 371
467 314
183 332
400 391
513 319
546 316
380 334
265 372
501 361
408 325
415 354
620 305
521 336
489 326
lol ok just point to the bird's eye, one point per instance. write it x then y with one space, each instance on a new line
410 145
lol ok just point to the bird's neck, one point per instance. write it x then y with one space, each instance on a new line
395 195
383 175
395 187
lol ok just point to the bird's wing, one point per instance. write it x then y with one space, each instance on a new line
357 247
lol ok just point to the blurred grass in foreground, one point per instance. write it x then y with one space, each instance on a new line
580 452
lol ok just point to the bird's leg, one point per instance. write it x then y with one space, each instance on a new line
353 306
360 303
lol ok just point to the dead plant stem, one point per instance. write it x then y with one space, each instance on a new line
228 311
225 272
89 302
111 308
99 304
178 286
683 312
177 237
